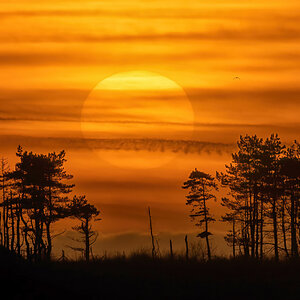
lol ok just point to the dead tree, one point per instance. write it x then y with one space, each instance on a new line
151 233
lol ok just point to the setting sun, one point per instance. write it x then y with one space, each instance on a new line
135 106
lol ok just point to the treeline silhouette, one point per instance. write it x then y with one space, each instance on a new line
34 197
263 203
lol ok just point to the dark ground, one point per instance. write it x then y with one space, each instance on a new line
139 277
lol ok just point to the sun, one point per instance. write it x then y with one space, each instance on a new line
134 108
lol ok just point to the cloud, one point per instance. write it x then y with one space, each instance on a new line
151 145
213 12
23 58
125 184
41 105
264 95
284 33
66 104
218 113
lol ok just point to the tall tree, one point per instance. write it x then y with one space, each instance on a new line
232 217
290 170
56 191
86 213
39 181
258 179
243 177
273 151
4 169
201 188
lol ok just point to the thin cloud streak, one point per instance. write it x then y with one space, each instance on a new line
285 61
62 58
151 145
207 12
281 33
196 124
215 108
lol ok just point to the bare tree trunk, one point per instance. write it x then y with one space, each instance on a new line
1 233
4 242
48 224
171 249
28 252
296 218
38 243
245 229
87 240
49 240
261 228
151 232
252 225
18 245
206 225
186 248
275 233
283 227
12 217
294 245
6 227
257 228
233 237
4 220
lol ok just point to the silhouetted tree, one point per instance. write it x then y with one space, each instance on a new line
231 236
201 187
38 181
154 252
290 170
273 150
244 178
56 191
263 183
4 192
80 209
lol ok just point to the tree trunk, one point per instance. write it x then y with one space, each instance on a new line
12 217
48 225
49 241
87 240
275 233
171 249
252 225
233 237
18 245
6 227
151 233
256 228
261 228
283 228
296 218
186 248
28 252
4 204
245 230
206 228
294 246
1 232
4 223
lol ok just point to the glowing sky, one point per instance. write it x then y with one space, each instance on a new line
54 53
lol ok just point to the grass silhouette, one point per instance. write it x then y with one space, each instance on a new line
138 276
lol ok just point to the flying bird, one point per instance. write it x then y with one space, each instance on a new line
237 78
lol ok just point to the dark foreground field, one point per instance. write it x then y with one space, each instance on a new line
139 277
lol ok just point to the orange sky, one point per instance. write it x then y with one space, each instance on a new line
54 53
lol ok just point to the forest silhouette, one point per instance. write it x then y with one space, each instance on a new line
262 207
